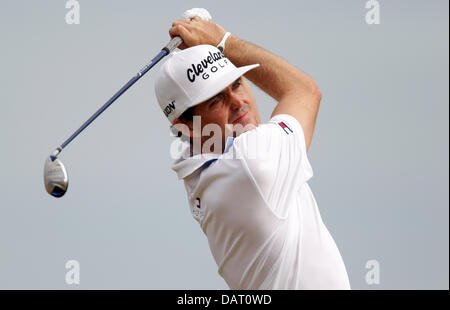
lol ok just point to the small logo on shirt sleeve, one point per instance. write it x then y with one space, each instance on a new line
197 211
285 127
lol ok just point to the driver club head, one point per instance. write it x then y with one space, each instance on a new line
56 180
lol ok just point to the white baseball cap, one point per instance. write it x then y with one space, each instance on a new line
194 75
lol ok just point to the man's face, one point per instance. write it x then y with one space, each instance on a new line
233 106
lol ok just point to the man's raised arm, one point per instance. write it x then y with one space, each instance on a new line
296 93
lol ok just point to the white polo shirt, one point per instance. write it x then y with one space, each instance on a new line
258 213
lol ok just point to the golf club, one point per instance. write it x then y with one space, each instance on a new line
56 180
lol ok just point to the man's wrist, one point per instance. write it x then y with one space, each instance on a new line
221 45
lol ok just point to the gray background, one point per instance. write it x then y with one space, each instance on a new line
379 152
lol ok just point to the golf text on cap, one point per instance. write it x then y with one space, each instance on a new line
199 68
169 108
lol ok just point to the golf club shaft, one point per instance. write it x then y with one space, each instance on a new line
174 43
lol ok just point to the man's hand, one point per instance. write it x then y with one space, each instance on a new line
196 31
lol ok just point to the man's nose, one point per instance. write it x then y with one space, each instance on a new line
236 101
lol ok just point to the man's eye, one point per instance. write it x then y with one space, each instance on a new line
216 100
236 85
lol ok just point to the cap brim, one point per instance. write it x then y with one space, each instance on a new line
221 84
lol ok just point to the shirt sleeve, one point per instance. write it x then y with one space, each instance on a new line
275 156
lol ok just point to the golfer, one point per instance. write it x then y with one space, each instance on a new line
246 180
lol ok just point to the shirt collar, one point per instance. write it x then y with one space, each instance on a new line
185 166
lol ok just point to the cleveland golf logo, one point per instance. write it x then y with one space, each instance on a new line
201 68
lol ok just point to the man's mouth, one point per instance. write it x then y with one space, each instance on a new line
240 117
